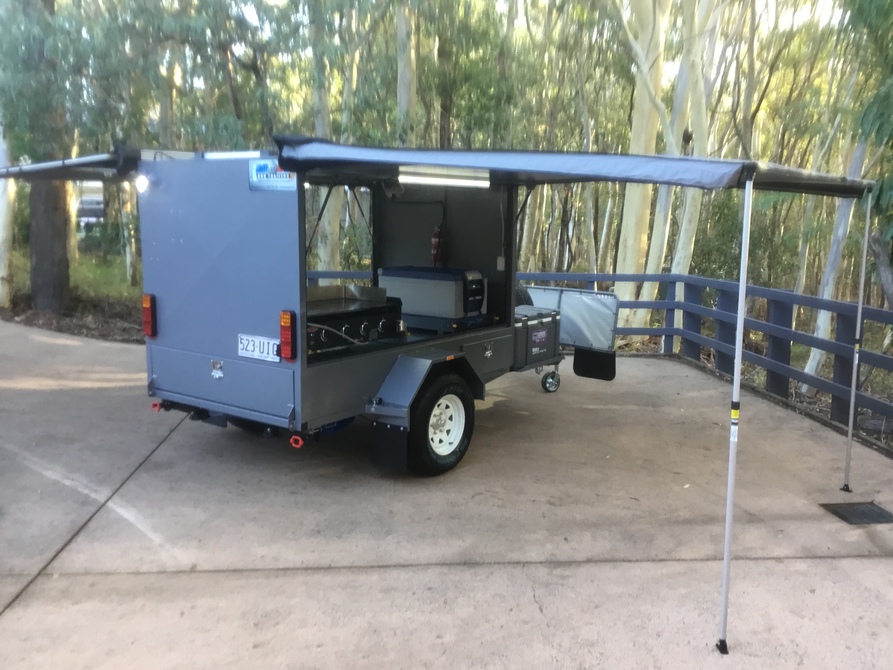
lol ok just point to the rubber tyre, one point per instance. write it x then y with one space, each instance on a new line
551 382
422 457
522 295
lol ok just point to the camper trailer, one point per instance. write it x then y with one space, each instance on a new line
241 332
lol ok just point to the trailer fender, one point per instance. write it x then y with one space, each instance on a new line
391 406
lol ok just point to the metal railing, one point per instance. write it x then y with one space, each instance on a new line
688 294
706 322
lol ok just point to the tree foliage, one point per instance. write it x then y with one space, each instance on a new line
784 80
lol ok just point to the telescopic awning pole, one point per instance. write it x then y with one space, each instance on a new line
736 406
857 346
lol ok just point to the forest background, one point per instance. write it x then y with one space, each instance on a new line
807 83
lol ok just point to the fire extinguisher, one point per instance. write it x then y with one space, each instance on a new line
436 246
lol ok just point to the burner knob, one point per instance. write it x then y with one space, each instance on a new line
364 329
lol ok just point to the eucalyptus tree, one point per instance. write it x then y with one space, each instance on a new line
646 31
872 23
33 86
7 202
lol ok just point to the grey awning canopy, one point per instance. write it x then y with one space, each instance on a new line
327 162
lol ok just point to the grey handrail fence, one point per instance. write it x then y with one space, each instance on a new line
686 294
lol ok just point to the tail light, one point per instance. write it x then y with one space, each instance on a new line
149 326
287 335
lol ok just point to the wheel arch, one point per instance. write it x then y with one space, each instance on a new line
461 367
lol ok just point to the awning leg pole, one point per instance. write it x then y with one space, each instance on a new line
857 346
733 426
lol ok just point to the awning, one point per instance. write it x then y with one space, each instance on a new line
117 165
326 162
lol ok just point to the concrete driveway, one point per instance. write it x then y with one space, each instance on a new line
583 529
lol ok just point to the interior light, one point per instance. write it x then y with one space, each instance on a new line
444 181
445 176
142 183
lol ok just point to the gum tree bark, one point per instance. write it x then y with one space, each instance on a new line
649 23
832 266
50 288
7 202
405 73
329 233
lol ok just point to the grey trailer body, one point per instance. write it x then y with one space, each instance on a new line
225 255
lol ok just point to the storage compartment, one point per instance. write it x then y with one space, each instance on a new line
443 293
536 336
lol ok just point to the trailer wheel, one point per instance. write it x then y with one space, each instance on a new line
440 426
551 382
522 295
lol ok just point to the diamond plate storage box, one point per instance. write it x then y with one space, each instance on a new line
536 336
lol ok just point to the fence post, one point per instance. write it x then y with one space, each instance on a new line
778 348
670 319
843 367
726 301
691 323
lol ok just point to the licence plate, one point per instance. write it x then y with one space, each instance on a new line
262 348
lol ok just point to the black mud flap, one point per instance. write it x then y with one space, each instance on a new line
595 364
389 445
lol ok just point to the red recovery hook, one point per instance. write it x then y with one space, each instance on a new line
296 441
156 406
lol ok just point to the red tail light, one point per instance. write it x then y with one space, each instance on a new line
149 327
287 335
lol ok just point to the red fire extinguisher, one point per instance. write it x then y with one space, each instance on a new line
435 246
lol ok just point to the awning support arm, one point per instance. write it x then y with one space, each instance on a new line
736 407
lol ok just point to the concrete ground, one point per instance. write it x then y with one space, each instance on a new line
584 529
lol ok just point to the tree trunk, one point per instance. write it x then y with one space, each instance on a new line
881 255
604 243
506 57
72 199
694 18
533 229
650 27
445 62
329 234
50 288
405 73
832 266
7 202
128 222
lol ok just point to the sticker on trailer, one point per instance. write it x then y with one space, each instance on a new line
261 348
264 174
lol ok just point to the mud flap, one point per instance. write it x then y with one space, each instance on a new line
595 364
389 445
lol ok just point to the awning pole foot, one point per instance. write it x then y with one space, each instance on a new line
846 488
723 647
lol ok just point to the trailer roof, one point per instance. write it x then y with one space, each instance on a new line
326 162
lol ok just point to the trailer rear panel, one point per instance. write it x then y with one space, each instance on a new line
222 261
